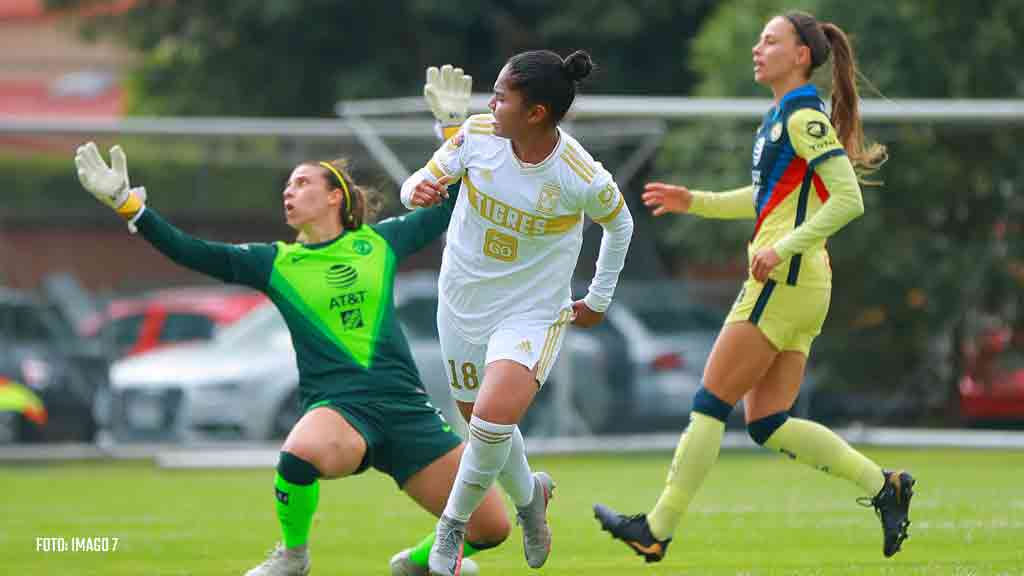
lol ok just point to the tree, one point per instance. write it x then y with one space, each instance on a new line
296 58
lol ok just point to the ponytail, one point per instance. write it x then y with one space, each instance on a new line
845 113
360 204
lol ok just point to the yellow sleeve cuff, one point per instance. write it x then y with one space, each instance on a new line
449 131
130 208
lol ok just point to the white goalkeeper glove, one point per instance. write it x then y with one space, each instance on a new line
109 185
447 92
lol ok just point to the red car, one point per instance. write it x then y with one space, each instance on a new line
992 388
172 316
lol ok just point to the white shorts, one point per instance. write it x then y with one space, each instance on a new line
533 345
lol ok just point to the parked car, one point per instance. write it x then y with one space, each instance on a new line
668 347
992 386
240 384
243 383
168 317
40 348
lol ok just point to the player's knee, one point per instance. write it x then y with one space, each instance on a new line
708 404
296 470
763 428
488 533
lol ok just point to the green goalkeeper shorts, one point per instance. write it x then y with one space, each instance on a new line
403 436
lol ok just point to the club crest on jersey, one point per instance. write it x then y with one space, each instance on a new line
362 247
608 195
486 175
816 129
776 132
548 199
758 148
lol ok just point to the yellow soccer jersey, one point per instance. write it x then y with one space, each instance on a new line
804 189
517 228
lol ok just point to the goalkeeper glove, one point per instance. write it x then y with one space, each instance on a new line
110 184
447 92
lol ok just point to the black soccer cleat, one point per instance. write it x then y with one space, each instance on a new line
892 505
633 531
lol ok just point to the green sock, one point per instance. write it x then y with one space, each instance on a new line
695 454
421 552
296 504
821 448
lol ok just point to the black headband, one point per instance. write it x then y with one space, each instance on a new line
816 59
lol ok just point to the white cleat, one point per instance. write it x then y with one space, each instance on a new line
534 520
446 554
283 562
402 566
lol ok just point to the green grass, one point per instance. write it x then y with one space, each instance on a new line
757 514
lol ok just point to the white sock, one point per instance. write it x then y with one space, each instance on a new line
516 477
484 457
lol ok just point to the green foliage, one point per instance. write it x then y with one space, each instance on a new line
291 58
722 50
177 180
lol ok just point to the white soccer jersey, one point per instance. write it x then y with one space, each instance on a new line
517 228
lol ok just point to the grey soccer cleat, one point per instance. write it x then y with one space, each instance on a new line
283 562
401 565
446 553
534 519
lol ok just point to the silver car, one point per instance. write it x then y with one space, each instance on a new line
242 384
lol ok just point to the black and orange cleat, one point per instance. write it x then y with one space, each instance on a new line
633 531
892 505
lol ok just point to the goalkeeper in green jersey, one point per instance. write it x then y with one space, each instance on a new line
364 404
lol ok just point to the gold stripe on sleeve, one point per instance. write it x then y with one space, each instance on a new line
435 170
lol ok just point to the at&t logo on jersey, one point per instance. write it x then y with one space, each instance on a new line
341 276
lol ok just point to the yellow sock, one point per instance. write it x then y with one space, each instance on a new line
695 454
821 448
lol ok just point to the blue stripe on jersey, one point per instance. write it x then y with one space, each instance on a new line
801 215
826 156
801 92
794 269
779 167
762 301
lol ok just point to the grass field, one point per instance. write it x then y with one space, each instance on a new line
758 514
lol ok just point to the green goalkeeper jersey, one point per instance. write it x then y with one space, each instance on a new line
335 296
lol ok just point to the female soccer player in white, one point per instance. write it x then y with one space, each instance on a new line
804 190
504 288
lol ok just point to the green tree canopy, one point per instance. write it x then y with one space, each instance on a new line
297 58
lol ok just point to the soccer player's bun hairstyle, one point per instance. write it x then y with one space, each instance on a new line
360 205
577 65
825 39
546 79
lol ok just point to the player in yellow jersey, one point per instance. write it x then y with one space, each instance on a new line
804 190
504 288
